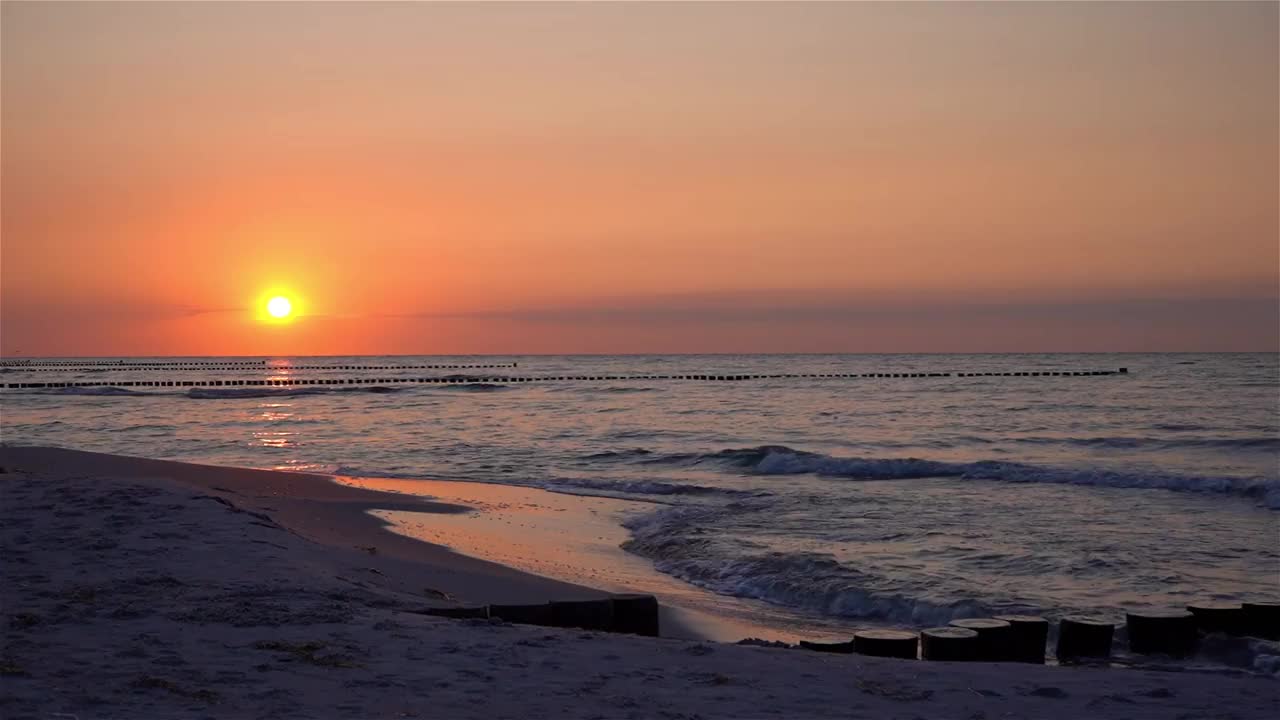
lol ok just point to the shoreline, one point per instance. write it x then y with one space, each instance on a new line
152 588
319 509
578 539
343 515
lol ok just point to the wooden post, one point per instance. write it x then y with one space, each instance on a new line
949 644
522 614
585 614
1262 619
458 612
1171 632
994 637
844 648
1028 635
635 614
1218 617
1084 637
886 643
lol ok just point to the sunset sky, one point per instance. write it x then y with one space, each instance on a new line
601 177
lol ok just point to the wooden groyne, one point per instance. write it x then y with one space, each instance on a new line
507 379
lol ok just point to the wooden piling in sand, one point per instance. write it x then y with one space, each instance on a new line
886 643
458 612
523 614
1218 617
1084 637
994 637
949 644
584 614
636 614
1028 635
1166 632
1262 619
844 648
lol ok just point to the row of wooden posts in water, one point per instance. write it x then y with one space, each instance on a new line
131 363
473 380
1004 638
256 367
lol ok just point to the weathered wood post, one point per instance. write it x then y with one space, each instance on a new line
1218 617
886 643
523 614
994 637
1169 632
584 614
1028 636
635 614
949 644
1084 637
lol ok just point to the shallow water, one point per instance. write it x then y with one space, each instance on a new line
880 500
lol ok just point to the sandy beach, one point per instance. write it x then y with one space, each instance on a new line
140 588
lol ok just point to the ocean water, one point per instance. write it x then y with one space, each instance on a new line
907 501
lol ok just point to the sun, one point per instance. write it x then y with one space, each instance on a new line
279 307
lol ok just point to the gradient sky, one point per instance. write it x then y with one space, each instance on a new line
598 177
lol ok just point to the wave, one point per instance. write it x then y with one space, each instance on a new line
299 466
244 393
618 454
103 390
812 581
476 387
1129 442
582 486
782 460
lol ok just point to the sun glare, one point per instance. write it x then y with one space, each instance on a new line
279 307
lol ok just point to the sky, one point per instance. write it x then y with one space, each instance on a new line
630 178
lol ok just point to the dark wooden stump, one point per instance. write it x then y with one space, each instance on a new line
635 614
1084 637
1171 632
1028 636
458 612
585 614
994 637
886 643
1262 619
1218 617
949 644
844 648
523 614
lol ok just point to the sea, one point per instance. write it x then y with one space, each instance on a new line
952 490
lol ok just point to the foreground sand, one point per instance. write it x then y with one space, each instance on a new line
143 589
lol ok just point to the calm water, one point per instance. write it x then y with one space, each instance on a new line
875 500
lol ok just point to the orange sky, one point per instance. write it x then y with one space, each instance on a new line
592 177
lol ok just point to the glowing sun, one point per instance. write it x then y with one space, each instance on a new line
279 307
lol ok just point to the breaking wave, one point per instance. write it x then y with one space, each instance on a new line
782 460
813 581
582 486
